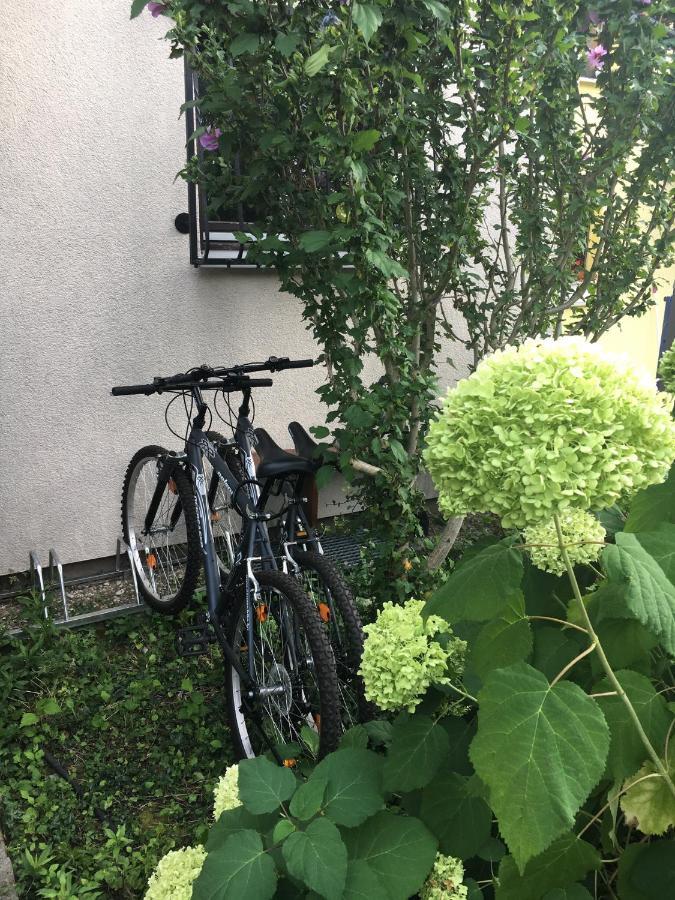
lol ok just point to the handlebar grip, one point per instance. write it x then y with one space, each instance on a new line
299 364
124 390
258 382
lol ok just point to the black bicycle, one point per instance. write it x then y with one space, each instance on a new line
280 674
298 546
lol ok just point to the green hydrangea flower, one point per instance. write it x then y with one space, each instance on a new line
548 426
401 658
175 873
582 533
226 792
445 880
667 369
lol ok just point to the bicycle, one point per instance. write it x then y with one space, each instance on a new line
280 674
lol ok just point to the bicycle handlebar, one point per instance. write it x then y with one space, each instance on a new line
227 384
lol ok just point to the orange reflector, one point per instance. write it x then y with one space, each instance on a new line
324 612
301 534
151 560
215 517
172 486
407 565
289 763
261 612
317 719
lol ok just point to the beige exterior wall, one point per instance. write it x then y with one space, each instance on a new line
95 283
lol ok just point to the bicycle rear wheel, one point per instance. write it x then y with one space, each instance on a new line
166 557
327 589
292 664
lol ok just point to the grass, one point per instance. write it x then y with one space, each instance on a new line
142 734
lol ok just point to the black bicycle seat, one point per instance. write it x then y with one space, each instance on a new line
275 462
305 445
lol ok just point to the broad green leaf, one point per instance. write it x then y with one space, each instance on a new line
379 731
571 892
626 750
49 707
555 647
362 883
565 861
398 850
28 719
240 869
647 801
320 432
355 737
647 871
419 745
660 545
313 241
503 641
367 18
648 595
389 267
233 820
286 43
324 475
281 830
354 785
473 890
244 43
316 62
263 785
308 798
652 506
540 749
439 10
318 857
481 587
137 7
365 140
451 811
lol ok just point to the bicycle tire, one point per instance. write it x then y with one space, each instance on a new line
220 503
347 652
182 559
320 712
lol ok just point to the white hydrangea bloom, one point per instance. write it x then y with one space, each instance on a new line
445 880
226 792
582 534
175 874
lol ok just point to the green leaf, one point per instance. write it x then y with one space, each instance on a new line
540 749
320 432
389 267
362 883
263 785
313 241
648 595
397 850
367 18
137 7
647 871
318 857
555 647
571 892
648 804
652 506
418 747
308 798
565 861
356 737
324 476
232 821
626 750
316 62
240 868
281 830
286 43
244 43
503 641
439 10
660 545
460 732
451 811
28 719
365 140
398 452
354 785
480 588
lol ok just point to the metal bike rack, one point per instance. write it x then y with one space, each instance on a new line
37 579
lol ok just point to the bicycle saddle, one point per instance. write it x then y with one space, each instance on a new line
305 445
274 461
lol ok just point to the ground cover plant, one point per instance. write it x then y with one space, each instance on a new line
525 750
450 154
141 732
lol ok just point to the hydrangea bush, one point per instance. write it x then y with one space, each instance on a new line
175 874
226 792
548 426
446 880
583 534
402 656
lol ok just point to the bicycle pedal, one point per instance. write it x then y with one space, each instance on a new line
195 639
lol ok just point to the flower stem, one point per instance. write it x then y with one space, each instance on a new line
616 684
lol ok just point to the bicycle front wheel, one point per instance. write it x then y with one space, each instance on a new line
293 666
165 553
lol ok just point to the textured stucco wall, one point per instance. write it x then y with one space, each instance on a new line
95 284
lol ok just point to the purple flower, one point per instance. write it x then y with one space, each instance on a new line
595 57
157 9
646 2
209 140
329 19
